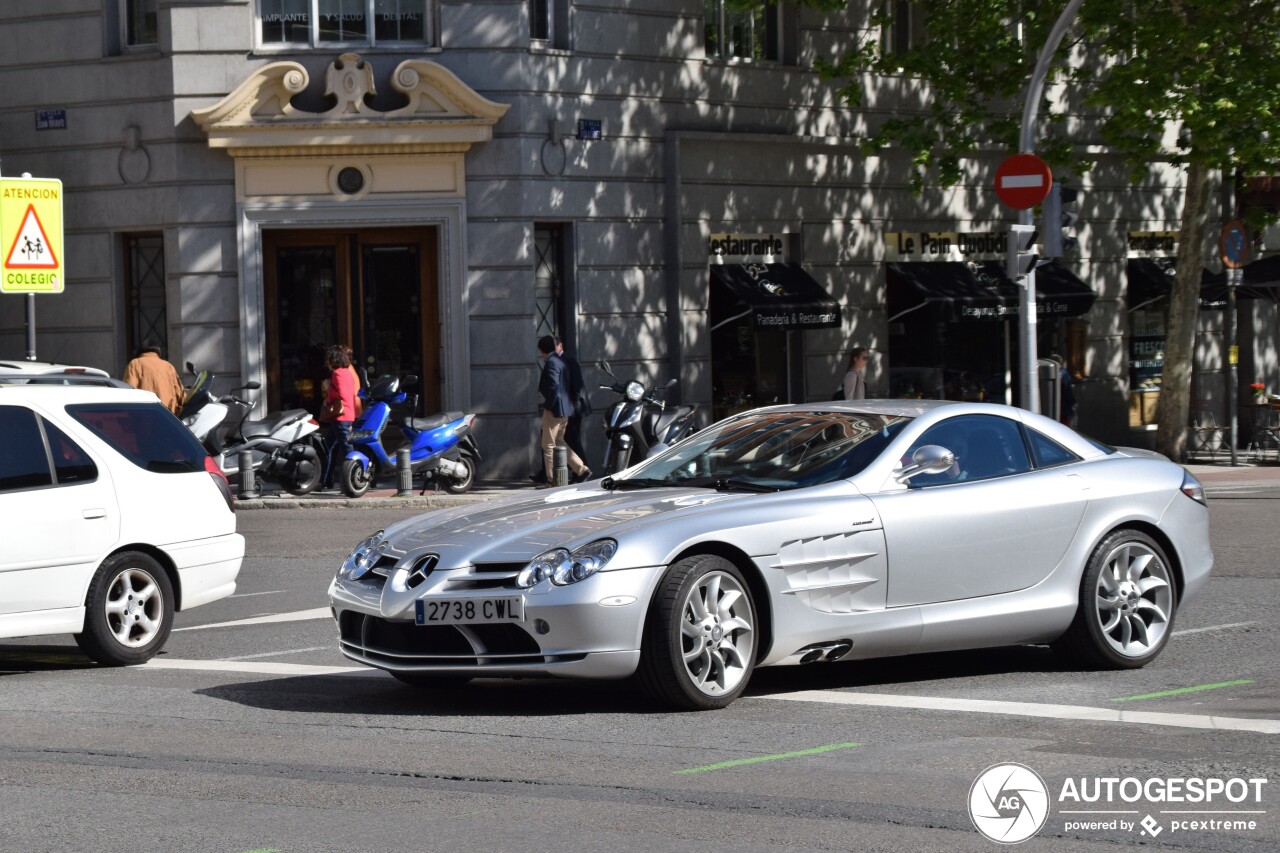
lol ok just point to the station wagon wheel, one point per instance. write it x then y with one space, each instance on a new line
128 610
700 638
1127 604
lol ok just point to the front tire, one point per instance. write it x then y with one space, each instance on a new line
460 487
355 478
422 681
1128 601
699 646
128 610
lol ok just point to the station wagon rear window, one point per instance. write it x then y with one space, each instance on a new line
147 434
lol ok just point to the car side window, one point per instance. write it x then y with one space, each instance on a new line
70 463
1047 452
24 464
985 446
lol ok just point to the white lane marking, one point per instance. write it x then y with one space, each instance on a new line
1214 628
1033 709
251 594
296 616
255 667
278 654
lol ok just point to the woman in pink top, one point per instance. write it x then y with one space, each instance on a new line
341 387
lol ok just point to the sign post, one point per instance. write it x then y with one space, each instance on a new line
1022 182
1233 243
31 242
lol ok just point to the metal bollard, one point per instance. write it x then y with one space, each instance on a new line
560 465
248 484
404 473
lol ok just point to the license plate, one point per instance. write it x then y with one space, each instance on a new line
469 611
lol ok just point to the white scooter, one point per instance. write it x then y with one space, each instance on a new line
286 445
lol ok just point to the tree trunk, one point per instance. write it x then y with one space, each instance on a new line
1174 410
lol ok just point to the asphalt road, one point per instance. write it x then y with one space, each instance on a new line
251 733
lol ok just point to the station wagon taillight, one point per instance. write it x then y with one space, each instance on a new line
220 479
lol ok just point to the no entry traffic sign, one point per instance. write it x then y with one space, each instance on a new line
1023 181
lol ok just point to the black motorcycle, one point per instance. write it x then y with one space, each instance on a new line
641 424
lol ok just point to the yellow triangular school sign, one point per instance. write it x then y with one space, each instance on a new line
31 235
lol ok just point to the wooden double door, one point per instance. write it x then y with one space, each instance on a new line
374 290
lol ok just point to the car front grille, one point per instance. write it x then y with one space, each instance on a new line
404 644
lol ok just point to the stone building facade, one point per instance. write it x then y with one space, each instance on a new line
436 183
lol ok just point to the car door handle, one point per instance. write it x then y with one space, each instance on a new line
96 512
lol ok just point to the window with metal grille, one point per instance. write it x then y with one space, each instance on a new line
146 310
548 281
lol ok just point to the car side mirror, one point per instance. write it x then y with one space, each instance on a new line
929 459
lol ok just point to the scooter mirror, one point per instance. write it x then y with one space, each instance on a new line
672 381
410 380
252 385
604 365
191 368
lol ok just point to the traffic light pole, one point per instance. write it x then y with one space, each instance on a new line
1028 370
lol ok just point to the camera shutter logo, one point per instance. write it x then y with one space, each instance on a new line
1008 803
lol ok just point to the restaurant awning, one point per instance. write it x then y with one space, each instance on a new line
778 296
953 291
1151 279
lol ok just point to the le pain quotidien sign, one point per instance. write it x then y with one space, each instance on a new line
907 246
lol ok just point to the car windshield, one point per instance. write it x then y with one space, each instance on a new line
771 451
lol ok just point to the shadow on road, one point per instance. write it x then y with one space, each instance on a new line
378 695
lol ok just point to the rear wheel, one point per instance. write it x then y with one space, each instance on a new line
1127 604
700 640
458 487
306 476
128 610
431 682
355 478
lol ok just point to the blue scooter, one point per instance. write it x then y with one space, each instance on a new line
442 447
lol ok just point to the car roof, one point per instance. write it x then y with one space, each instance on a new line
14 365
89 391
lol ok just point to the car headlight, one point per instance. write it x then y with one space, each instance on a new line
362 559
635 391
564 568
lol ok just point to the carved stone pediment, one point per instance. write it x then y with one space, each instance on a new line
259 118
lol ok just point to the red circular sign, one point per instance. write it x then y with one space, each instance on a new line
1023 181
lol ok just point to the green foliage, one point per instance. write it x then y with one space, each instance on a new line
1204 67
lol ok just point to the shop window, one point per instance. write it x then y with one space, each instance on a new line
325 23
146 307
743 33
549 23
1146 363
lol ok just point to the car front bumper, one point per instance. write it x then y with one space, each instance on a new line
591 629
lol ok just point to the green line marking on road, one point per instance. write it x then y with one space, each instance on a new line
738 762
1181 690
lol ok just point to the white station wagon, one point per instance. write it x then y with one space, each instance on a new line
112 516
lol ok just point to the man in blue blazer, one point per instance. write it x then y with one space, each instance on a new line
561 387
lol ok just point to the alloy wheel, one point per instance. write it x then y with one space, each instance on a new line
716 633
1134 599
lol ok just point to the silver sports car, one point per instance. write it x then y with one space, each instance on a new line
792 535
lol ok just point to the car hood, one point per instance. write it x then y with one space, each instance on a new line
518 528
